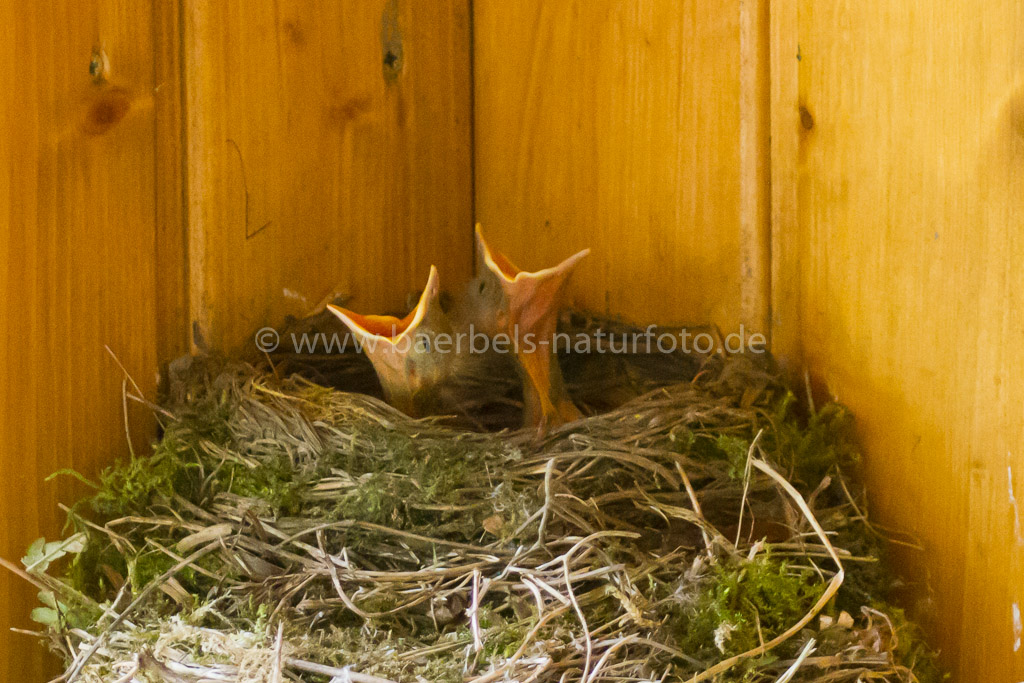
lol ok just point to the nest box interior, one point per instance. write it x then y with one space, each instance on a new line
844 178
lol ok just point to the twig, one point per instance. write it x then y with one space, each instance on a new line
474 614
334 672
277 672
791 671
579 615
746 485
546 509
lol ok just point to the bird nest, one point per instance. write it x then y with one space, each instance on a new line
704 529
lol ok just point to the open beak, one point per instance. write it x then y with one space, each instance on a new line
400 348
529 315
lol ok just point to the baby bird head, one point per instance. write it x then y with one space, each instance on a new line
525 305
407 353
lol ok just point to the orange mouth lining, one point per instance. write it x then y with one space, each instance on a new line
387 326
507 268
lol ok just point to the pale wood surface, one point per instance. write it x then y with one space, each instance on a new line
78 266
902 280
755 165
785 156
171 220
616 126
313 165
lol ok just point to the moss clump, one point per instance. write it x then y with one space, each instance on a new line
807 449
911 649
129 487
271 480
824 445
735 451
100 568
744 604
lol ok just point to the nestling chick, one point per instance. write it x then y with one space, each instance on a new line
402 350
525 306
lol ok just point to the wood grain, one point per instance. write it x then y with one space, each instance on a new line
78 266
171 218
901 281
317 162
615 125
755 165
785 302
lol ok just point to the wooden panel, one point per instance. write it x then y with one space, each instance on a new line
902 276
78 267
328 147
616 124
172 299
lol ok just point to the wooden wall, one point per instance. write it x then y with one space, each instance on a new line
328 148
898 180
79 266
228 164
620 126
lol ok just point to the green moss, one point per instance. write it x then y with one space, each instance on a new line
739 599
148 566
811 451
806 449
129 487
735 451
503 641
912 651
273 481
87 573
173 468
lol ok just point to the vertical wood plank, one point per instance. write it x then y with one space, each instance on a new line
785 239
901 281
170 168
77 266
616 125
328 149
755 166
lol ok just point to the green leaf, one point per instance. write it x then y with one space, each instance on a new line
48 599
34 553
46 616
40 554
